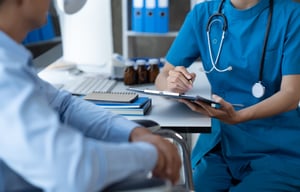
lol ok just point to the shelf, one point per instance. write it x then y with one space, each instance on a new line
139 34
140 44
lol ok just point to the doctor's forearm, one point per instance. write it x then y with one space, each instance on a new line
284 100
274 105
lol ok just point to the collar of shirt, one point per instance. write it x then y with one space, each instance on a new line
13 51
231 12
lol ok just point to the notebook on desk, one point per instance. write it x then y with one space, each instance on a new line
111 97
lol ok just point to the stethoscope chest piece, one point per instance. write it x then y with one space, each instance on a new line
258 90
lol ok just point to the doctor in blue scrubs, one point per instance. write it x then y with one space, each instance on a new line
250 54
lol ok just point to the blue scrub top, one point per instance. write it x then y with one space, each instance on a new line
242 49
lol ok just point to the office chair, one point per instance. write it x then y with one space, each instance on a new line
143 184
182 147
186 162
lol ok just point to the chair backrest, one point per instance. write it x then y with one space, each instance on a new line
181 144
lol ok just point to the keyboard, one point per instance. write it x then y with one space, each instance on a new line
85 85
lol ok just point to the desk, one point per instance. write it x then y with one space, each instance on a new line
175 115
168 113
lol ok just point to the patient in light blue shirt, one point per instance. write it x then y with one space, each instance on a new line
57 142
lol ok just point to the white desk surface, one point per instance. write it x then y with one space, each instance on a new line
173 114
168 113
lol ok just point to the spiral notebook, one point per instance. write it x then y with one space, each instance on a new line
120 97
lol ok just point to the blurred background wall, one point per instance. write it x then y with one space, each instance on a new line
140 46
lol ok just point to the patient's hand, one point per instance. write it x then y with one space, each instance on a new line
168 164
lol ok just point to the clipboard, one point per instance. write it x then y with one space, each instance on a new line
173 95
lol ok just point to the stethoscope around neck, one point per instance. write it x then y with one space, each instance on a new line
258 89
220 18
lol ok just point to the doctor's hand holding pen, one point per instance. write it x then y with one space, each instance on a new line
179 80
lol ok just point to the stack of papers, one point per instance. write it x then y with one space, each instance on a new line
139 106
114 97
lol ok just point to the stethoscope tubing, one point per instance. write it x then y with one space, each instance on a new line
221 18
211 20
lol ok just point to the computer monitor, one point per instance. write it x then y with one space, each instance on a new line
87 34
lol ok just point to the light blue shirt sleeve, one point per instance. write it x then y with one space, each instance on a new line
56 141
90 119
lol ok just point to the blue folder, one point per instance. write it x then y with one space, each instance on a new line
47 31
33 36
138 103
150 16
162 16
138 15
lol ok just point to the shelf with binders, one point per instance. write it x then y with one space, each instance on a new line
148 41
149 34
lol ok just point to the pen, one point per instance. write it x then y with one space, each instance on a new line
190 80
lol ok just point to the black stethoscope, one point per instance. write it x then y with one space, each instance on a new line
258 89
